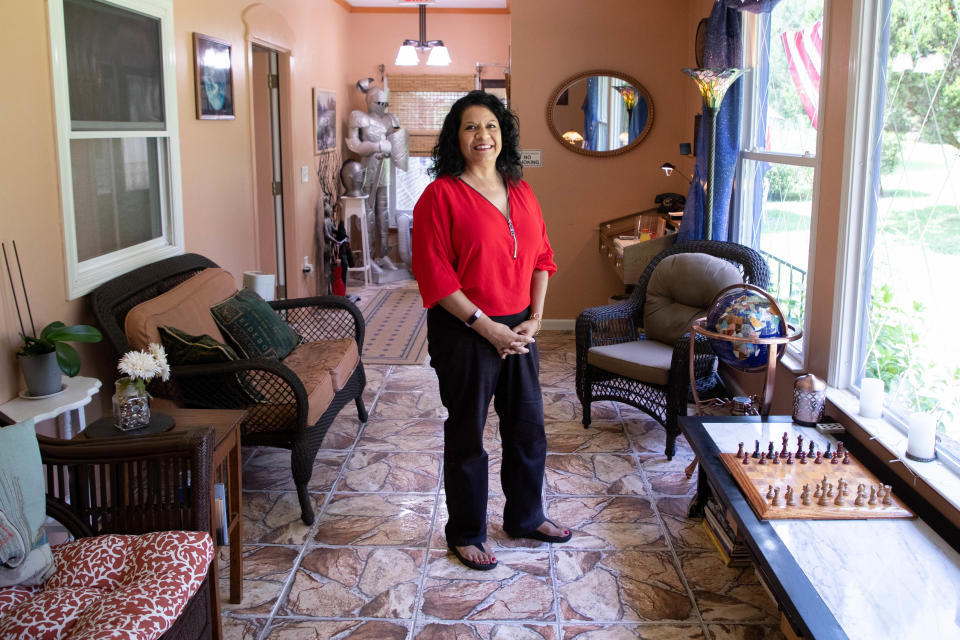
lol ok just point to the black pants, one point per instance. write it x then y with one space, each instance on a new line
471 373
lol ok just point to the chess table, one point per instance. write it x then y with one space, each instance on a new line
833 578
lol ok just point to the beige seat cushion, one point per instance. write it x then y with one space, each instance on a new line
644 360
186 307
680 291
338 357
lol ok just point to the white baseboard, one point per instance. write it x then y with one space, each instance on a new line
560 324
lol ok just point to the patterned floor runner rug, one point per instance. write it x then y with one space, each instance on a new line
396 327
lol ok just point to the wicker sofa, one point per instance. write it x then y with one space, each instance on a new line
154 491
290 403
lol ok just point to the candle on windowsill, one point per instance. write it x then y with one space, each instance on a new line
871 397
922 437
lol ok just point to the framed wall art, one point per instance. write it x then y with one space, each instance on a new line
213 78
324 120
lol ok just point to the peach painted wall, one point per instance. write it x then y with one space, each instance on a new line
469 37
216 156
649 41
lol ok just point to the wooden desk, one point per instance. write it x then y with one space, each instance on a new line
834 578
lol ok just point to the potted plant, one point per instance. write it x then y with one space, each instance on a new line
43 357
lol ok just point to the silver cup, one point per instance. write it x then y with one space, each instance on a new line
809 396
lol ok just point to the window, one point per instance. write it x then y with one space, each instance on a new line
115 99
778 159
904 226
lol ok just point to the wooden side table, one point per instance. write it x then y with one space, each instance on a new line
226 465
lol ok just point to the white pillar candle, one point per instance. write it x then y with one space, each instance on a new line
871 397
922 439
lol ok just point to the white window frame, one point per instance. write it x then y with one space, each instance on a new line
84 276
795 356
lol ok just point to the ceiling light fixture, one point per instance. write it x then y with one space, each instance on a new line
408 55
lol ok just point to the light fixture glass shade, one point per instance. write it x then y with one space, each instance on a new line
667 168
713 83
439 56
407 56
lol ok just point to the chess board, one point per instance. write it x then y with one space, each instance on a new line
755 480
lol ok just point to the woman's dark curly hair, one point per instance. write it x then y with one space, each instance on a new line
447 159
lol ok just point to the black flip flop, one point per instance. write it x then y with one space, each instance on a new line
544 537
470 564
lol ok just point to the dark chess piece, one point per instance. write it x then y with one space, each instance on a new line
803 457
746 459
840 450
740 451
763 458
819 459
776 457
827 453
810 453
835 459
846 457
785 438
789 457
783 450
756 450
770 449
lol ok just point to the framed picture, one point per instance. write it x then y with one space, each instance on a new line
213 78
324 120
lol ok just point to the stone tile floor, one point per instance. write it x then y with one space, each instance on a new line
375 564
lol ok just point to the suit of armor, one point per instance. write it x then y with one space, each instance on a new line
370 135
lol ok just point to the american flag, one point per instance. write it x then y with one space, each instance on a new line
804 49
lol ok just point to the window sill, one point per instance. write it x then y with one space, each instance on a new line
938 481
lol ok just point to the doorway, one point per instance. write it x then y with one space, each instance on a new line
271 250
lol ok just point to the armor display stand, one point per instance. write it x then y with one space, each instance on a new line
355 207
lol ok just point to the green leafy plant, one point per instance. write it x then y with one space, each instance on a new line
54 337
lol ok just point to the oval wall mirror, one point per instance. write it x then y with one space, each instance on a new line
600 113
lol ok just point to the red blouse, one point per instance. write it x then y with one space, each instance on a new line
461 241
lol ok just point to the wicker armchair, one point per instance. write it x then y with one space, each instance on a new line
620 323
277 416
132 486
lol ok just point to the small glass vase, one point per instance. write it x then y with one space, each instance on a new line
131 406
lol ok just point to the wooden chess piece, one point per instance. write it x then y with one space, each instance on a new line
803 457
756 451
873 496
770 449
789 457
823 499
818 492
790 501
805 495
829 489
746 459
846 457
763 458
769 491
785 438
887 498
840 450
783 450
740 451
846 490
838 502
810 453
776 457
835 459
827 453
776 497
819 459
861 495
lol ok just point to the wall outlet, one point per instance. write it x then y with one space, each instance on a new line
304 174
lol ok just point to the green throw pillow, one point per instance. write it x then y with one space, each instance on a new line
25 556
253 327
183 348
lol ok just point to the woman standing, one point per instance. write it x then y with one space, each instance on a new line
481 259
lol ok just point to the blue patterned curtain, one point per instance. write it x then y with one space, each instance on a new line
590 106
722 50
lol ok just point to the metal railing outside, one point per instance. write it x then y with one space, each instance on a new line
788 284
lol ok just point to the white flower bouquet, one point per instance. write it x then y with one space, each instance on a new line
140 367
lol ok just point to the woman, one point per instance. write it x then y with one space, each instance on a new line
481 258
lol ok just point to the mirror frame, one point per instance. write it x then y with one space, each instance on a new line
566 84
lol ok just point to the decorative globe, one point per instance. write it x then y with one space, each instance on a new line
744 311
